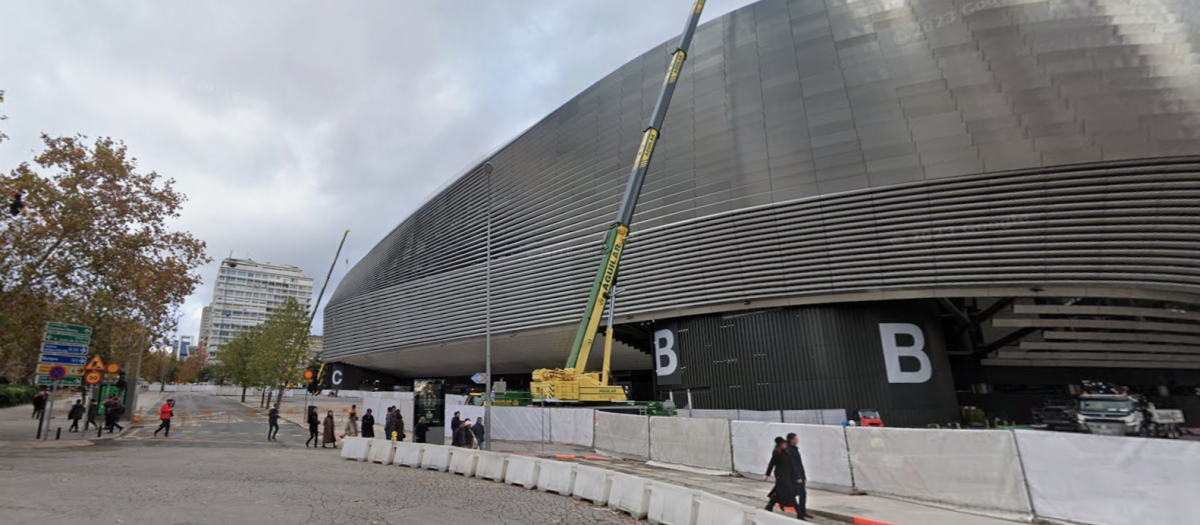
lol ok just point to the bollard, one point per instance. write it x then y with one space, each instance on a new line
395 436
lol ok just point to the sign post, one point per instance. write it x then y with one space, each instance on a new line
64 350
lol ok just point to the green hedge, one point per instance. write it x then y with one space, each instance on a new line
13 395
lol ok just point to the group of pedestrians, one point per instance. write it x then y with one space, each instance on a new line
788 466
393 423
316 435
466 434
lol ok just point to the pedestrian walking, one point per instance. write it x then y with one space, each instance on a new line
399 425
455 423
92 411
784 492
801 485
477 429
329 436
75 415
314 427
421 430
273 423
39 403
463 436
164 418
389 423
368 425
116 412
352 422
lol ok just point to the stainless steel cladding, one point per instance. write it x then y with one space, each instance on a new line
819 151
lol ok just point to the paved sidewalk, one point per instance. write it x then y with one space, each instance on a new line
16 425
859 509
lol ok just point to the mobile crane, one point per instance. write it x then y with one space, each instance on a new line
573 382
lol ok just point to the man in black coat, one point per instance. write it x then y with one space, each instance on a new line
798 471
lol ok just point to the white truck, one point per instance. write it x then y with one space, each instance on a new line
1127 415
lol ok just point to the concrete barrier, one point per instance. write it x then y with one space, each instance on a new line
462 461
356 448
766 517
491 466
409 454
671 505
714 510
523 471
592 484
436 457
382 451
629 494
557 476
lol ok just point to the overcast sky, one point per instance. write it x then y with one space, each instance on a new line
287 122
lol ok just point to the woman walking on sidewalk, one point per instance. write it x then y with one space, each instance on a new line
329 436
352 422
314 427
784 492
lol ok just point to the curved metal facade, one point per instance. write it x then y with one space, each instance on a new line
824 147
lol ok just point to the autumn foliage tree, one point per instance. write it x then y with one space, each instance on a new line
91 246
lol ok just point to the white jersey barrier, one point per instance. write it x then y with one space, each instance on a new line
823 449
714 510
630 494
436 457
592 484
976 470
623 434
1111 480
671 505
491 465
409 454
463 461
523 471
556 476
356 448
575 426
703 443
382 451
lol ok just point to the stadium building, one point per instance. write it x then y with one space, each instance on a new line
908 206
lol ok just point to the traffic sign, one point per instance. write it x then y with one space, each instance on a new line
95 363
64 328
308 374
66 381
479 378
92 378
57 372
51 348
71 339
71 370
112 368
52 359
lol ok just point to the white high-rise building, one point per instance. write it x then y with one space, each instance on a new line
245 294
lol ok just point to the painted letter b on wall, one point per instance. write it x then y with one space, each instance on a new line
666 360
894 348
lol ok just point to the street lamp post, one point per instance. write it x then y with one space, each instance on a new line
487 403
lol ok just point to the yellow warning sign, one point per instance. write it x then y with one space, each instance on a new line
96 364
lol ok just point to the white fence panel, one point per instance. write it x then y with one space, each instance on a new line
769 416
823 449
572 425
694 442
623 434
709 414
977 470
833 416
519 424
408 408
1111 480
468 412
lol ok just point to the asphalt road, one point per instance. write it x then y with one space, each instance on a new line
219 469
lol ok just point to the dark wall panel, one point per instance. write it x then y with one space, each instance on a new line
814 358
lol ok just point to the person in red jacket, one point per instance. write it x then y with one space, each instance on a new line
164 417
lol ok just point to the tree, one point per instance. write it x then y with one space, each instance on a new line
238 356
191 368
283 346
91 246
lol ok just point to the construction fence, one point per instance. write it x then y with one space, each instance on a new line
1012 474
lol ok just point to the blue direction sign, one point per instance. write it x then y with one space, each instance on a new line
479 378
52 359
51 348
